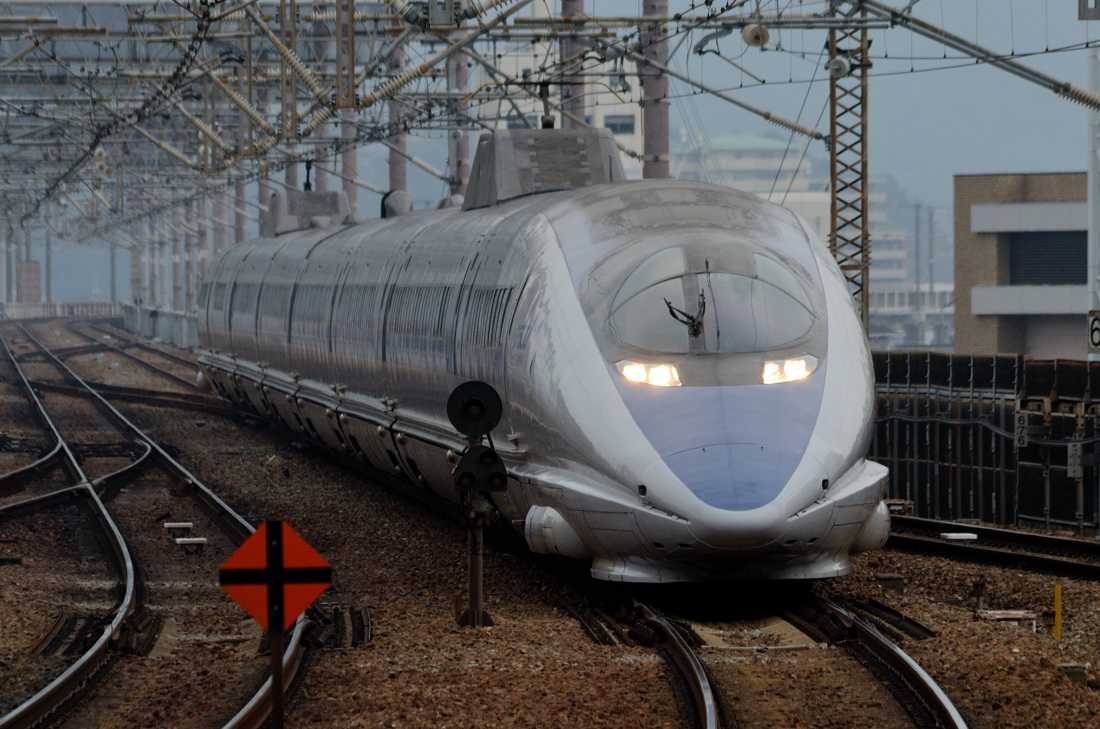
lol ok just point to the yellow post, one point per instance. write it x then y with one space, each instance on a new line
1057 612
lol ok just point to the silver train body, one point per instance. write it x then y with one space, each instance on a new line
687 389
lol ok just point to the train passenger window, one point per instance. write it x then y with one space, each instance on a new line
220 291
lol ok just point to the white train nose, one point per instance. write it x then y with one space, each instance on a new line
731 476
738 488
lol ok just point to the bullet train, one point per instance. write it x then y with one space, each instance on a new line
687 389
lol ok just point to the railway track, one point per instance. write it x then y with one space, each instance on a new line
72 625
811 659
925 702
778 666
1009 547
150 619
174 368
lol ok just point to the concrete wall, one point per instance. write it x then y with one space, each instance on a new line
981 259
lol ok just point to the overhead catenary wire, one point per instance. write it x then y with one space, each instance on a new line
681 22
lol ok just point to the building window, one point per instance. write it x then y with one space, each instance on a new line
1048 258
619 123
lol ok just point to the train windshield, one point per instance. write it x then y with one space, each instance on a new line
678 303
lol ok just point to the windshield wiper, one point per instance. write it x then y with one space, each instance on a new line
717 327
694 323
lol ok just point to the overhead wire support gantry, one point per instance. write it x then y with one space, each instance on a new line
849 231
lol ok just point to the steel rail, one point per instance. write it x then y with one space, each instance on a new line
10 481
935 700
54 694
62 449
105 485
1045 543
260 706
189 384
994 555
232 522
182 401
690 666
254 714
96 324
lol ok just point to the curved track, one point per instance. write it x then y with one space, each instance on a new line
753 684
130 628
911 685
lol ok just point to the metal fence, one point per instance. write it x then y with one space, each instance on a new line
998 439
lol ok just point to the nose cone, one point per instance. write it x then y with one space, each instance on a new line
734 448
732 476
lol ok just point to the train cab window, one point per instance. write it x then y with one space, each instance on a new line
745 314
633 321
661 265
673 303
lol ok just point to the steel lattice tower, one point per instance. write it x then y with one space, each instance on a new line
849 235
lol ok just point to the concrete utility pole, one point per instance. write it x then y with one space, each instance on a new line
397 165
655 93
206 235
189 245
931 256
136 252
114 272
572 90
49 265
177 263
459 141
348 160
239 217
263 198
916 252
5 278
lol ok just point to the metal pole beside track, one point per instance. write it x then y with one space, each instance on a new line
477 551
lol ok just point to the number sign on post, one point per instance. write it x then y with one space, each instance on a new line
1094 332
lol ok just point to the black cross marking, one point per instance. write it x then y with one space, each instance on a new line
275 576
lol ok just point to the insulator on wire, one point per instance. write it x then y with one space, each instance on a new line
405 10
1082 96
476 8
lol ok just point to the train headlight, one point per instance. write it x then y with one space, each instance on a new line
789 370
659 375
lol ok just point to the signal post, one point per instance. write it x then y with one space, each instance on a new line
474 409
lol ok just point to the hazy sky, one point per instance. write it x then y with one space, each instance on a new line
929 117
